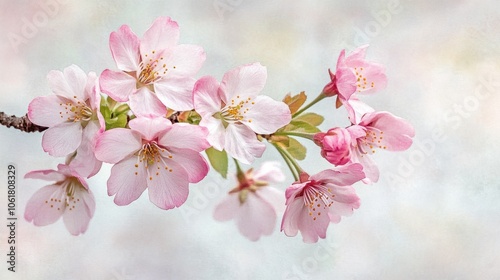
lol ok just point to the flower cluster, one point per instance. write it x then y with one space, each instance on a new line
162 128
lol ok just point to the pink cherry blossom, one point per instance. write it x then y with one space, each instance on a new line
335 145
72 116
155 72
315 201
378 130
233 111
68 197
253 204
354 74
153 154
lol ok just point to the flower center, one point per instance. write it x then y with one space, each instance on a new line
65 196
361 82
317 197
372 140
76 111
152 69
235 112
152 155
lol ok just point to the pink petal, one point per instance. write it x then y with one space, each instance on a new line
255 218
343 194
185 136
356 109
93 90
85 162
150 128
195 164
370 169
145 103
312 229
168 189
397 132
241 143
374 73
274 197
342 175
266 115
127 182
163 34
216 132
78 214
41 210
228 208
337 210
45 110
71 83
116 144
47 175
345 80
62 139
269 171
245 81
176 92
293 212
357 54
187 60
118 85
124 45
207 100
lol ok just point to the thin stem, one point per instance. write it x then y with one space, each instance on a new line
320 97
309 136
288 163
292 164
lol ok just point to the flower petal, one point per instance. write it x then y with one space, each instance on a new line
397 132
183 60
216 132
228 208
62 139
79 212
116 144
71 83
344 175
118 85
256 217
85 162
41 209
269 171
150 128
267 115
245 81
145 103
176 92
47 175
168 189
273 196
163 34
241 143
124 45
193 162
185 136
127 181
46 110
207 100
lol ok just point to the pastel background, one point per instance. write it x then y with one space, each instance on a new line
434 214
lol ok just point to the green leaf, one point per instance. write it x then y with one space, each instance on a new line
311 118
296 150
295 102
301 126
218 160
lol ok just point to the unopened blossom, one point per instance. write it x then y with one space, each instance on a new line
69 196
378 130
354 74
254 204
315 201
72 116
155 71
234 112
335 145
153 154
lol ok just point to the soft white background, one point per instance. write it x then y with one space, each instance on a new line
439 220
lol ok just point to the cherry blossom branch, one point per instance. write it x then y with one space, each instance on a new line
309 136
290 161
21 123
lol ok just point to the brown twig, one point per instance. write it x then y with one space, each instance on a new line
21 123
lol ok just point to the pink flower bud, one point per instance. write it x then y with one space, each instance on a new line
335 145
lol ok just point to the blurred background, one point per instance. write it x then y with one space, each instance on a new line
434 214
